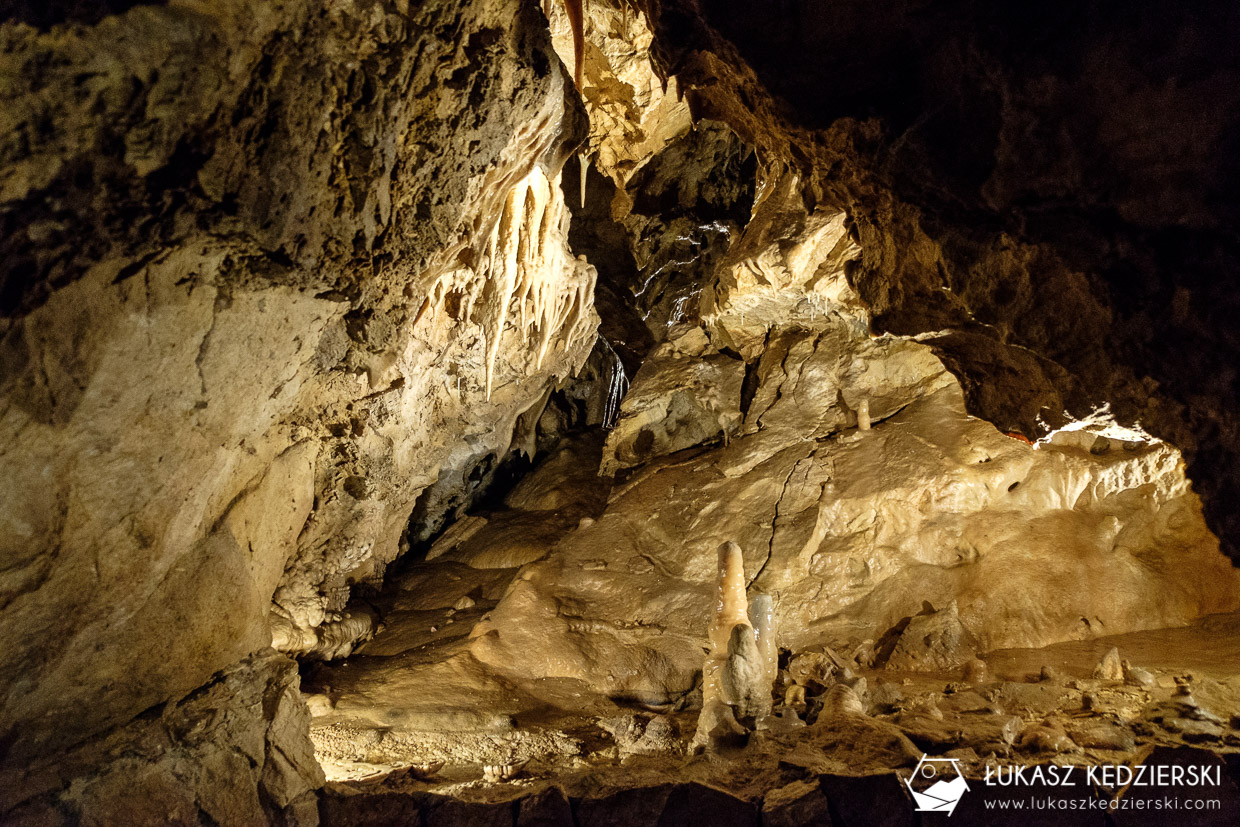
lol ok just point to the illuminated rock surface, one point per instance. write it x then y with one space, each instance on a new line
356 333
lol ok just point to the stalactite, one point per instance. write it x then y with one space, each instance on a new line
525 268
585 169
576 19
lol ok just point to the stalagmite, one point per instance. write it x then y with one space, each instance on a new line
743 678
730 603
1111 667
762 615
740 668
863 415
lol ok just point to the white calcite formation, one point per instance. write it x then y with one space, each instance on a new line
737 675
526 278
634 111
762 616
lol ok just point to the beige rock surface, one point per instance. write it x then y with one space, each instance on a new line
291 282
675 402
313 282
852 533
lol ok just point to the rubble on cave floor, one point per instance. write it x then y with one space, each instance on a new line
421 710
1031 707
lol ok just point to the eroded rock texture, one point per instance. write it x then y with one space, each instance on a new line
888 522
1074 164
232 752
270 273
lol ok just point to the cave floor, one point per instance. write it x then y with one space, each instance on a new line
414 710
433 705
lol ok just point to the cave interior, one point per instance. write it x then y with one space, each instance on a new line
618 412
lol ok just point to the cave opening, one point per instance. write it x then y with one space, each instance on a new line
592 412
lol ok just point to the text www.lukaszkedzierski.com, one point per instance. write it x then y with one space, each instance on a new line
1051 803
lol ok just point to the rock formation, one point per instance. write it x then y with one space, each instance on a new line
738 674
864 338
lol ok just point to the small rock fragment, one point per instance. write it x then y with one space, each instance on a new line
1050 674
494 773
1047 736
1193 731
794 697
1136 676
812 670
1110 668
842 700
976 671
1098 734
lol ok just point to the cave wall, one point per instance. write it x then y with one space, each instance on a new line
268 273
283 286
1076 165
743 422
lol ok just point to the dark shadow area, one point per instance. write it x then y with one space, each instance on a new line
43 14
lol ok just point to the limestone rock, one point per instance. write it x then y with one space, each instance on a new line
548 808
1099 734
235 751
674 403
307 282
854 535
688 803
813 670
935 641
798 804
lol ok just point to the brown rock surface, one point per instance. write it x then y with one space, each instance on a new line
287 290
